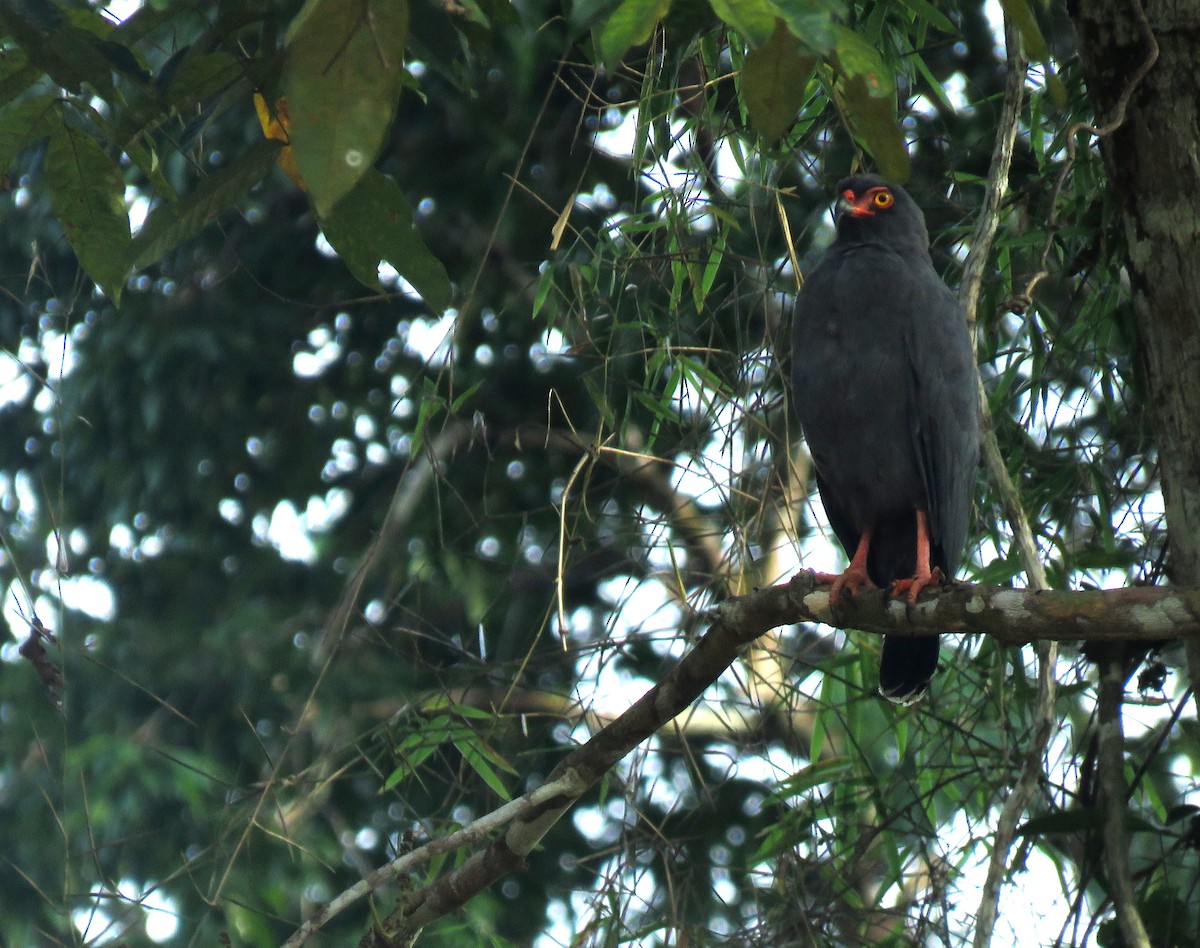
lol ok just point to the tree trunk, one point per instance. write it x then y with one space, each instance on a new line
1149 120
1154 169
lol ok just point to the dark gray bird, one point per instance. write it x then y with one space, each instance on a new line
883 382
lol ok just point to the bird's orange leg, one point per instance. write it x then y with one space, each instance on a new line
855 577
924 576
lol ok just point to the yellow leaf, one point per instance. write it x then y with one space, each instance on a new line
278 127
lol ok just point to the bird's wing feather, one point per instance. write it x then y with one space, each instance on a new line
945 421
838 513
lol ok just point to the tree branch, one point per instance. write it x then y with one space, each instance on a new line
1110 766
475 832
1010 615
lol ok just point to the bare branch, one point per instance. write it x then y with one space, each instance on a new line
1013 616
1010 615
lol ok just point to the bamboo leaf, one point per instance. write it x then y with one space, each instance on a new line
478 762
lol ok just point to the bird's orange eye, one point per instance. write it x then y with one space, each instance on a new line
882 198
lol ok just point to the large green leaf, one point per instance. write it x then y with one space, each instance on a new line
754 19
1021 14
343 77
810 21
874 121
197 79
87 193
630 24
374 222
68 54
16 74
171 224
854 56
869 94
25 121
773 80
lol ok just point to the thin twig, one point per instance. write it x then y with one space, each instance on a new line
1014 511
968 294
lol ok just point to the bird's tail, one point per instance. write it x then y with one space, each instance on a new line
906 667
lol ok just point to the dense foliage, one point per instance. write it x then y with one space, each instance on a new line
351 506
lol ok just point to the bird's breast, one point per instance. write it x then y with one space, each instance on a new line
852 382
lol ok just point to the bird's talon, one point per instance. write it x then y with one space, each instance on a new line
912 587
851 581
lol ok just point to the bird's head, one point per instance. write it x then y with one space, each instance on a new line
871 209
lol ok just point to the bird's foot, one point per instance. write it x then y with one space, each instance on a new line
911 588
851 581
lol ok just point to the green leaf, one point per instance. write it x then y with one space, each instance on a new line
900 729
803 780
415 749
455 405
169 225
754 19
202 76
1055 87
478 760
773 83
1021 14
874 121
545 285
87 193
198 78
856 57
16 74
147 160
810 21
630 25
869 93
26 121
374 222
925 10
66 53
342 77
430 404
443 702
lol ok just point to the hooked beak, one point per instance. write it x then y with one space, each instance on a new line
848 205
